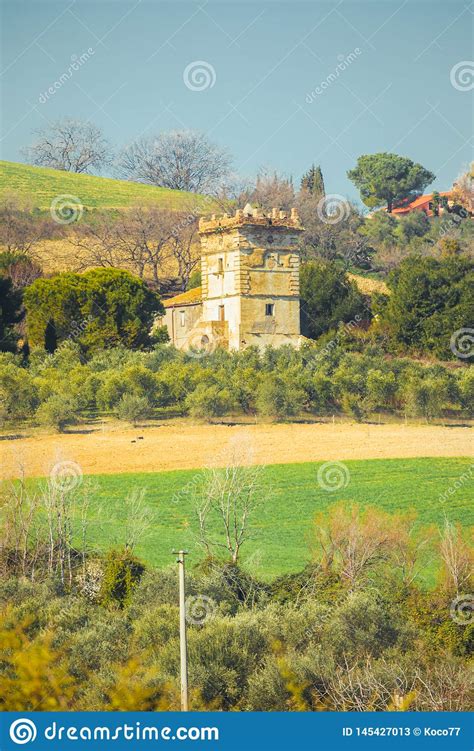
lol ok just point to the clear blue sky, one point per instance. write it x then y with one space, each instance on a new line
395 95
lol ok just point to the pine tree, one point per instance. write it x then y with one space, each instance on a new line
313 181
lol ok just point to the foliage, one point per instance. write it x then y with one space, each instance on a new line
133 408
388 178
377 642
122 573
313 181
328 298
101 308
10 314
58 412
431 299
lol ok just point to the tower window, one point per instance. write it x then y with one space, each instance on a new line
269 309
182 318
220 265
221 313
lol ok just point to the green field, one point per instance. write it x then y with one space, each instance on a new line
282 527
40 185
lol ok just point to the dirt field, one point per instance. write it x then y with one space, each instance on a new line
114 449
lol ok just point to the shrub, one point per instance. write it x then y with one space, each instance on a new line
280 396
58 412
122 573
209 401
133 408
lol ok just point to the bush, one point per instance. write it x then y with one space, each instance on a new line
122 573
209 401
58 412
280 396
133 408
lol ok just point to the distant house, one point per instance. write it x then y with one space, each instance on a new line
422 203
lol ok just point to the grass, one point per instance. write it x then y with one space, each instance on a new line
39 185
282 527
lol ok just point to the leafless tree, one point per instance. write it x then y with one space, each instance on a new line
182 160
20 229
184 248
353 541
227 500
456 555
70 145
138 519
136 239
142 239
273 191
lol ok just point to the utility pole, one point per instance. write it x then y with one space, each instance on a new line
182 630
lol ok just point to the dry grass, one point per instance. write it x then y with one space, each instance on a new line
114 448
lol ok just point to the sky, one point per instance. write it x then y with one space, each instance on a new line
279 84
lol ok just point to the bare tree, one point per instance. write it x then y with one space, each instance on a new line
227 500
352 541
20 229
70 145
456 555
184 248
142 239
273 191
182 160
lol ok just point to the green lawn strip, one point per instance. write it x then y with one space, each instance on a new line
282 526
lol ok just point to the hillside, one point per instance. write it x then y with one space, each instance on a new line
39 185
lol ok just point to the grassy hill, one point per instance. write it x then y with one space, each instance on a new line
40 185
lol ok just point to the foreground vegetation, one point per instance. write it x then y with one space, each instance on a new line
353 630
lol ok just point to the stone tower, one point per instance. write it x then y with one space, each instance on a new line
250 278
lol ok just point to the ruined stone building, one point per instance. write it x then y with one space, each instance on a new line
250 284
